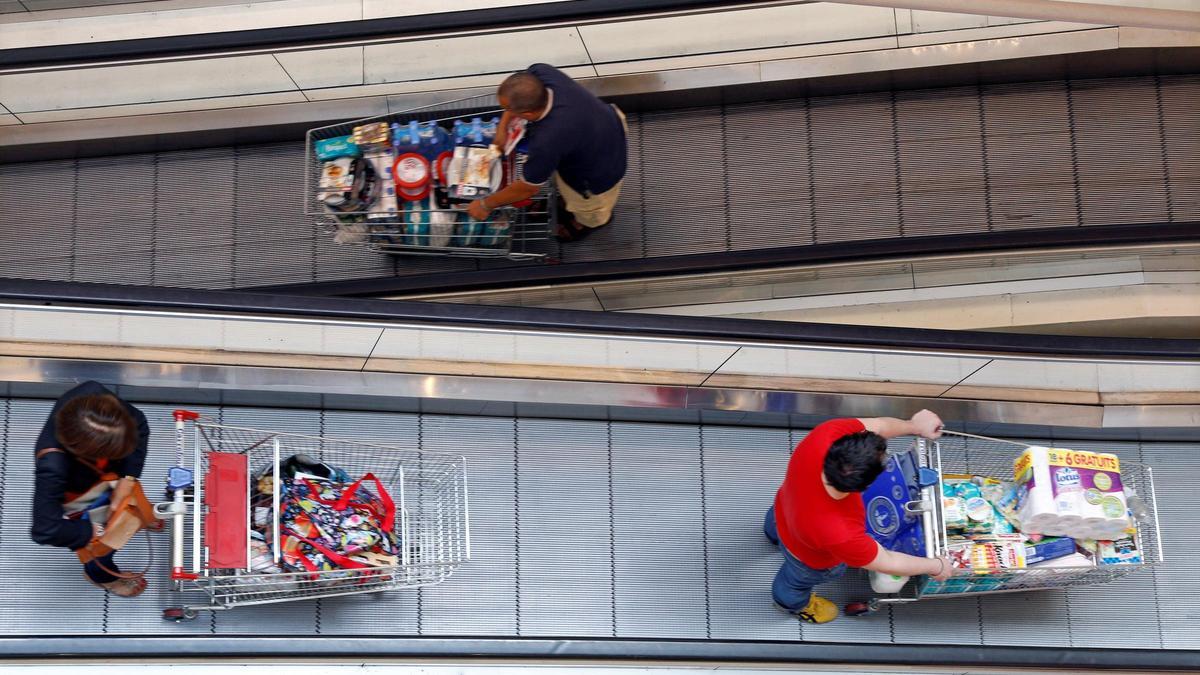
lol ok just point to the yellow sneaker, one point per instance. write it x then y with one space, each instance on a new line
818 610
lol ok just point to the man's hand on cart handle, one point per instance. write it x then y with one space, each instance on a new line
479 209
942 569
927 424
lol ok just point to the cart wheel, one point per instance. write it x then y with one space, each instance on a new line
858 608
179 614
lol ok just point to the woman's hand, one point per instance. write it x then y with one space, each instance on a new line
124 487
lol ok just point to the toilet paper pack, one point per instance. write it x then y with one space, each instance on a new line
1069 492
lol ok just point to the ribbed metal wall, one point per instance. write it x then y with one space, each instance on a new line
911 163
598 529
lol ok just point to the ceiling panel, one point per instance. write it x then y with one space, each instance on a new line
745 29
447 89
812 363
742 56
164 107
375 9
473 55
1036 375
324 67
146 24
143 83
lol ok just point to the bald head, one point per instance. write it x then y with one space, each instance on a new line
523 93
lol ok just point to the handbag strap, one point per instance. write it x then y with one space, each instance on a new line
345 500
331 555
131 575
104 475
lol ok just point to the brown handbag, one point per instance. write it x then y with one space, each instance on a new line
124 519
133 513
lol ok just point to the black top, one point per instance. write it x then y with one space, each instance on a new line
58 473
581 137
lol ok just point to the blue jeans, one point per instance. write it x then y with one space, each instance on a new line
794 582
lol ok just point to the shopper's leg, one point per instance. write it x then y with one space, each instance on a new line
794 583
95 570
769 527
793 587
592 210
103 572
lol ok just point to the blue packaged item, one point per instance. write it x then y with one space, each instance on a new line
1048 549
496 233
475 135
489 128
467 233
416 222
433 140
887 520
459 133
332 148
406 138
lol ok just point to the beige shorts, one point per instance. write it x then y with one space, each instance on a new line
592 210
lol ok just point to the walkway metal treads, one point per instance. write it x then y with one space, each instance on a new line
593 529
724 178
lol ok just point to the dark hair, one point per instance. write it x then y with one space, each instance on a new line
96 427
855 461
524 92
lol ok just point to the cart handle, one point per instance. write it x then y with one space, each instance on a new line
985 438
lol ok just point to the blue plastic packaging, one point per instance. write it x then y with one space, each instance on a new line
887 520
433 140
332 148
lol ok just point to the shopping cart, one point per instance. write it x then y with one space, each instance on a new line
516 233
213 517
967 454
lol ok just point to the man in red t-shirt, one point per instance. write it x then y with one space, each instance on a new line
818 520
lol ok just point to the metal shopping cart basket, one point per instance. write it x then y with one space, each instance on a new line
214 521
956 456
513 232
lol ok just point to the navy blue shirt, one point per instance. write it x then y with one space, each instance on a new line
58 473
581 137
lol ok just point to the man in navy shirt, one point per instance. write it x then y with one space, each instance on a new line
574 137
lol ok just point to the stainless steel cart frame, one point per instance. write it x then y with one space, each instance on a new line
529 228
960 453
429 490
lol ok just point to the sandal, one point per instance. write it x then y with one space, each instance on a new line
125 587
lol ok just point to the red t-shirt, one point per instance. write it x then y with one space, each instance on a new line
819 530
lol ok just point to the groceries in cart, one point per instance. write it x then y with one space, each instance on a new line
1059 504
405 185
327 521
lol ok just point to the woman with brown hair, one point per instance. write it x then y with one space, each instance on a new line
90 433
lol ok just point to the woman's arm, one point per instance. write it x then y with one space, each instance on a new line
49 527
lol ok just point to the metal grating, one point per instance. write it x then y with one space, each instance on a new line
601 529
1030 160
941 146
564 554
684 181
1119 147
722 178
1179 102
855 169
770 184
659 575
